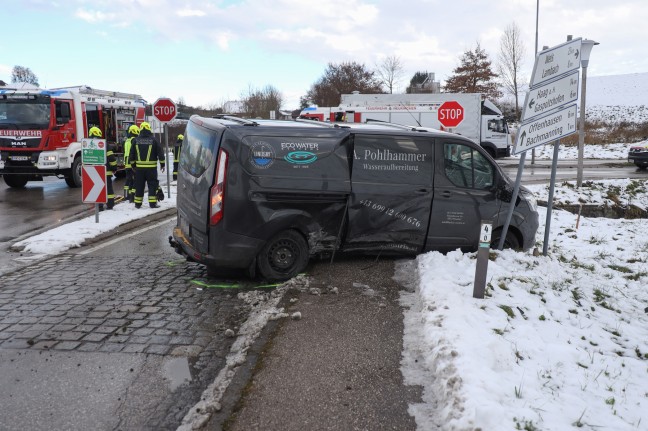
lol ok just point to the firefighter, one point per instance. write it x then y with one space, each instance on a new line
129 185
111 166
144 155
176 155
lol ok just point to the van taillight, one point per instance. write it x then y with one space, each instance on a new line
217 193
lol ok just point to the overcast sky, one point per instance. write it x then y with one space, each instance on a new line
210 51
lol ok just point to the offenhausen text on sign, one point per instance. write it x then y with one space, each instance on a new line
545 129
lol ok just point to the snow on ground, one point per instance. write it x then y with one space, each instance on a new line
559 342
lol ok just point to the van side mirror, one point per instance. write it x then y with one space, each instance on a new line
502 191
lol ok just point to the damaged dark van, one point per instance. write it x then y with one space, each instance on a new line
265 196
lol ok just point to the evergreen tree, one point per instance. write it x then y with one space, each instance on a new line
474 75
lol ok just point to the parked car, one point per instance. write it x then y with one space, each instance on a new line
638 154
264 196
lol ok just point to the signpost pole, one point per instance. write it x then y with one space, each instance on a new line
552 185
166 160
481 270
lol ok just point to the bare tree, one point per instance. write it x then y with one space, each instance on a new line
510 60
389 72
474 75
258 103
23 74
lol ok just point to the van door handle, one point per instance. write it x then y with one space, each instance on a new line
446 194
422 191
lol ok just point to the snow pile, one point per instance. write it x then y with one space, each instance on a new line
559 342
618 98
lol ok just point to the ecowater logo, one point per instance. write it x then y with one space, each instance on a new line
262 155
300 157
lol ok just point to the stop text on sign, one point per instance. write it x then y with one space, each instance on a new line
164 110
450 114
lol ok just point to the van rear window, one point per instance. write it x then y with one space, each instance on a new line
198 149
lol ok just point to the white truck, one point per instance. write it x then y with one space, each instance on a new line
467 114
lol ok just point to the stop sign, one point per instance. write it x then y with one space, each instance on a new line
450 114
164 109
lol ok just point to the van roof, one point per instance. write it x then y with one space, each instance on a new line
371 126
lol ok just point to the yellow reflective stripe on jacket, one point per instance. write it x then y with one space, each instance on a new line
145 163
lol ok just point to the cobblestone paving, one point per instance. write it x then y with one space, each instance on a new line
131 305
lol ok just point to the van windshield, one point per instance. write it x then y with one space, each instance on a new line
198 149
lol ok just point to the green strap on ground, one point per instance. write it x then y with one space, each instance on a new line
231 286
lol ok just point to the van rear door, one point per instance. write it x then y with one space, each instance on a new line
195 179
392 192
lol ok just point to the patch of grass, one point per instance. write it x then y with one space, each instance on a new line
580 265
525 425
502 285
636 260
596 240
498 331
610 401
599 295
542 317
573 311
508 310
636 276
576 296
623 269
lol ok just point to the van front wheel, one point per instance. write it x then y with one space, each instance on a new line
284 256
511 241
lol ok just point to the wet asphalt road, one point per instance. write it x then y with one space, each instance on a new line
119 338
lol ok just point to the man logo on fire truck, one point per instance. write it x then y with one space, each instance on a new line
41 130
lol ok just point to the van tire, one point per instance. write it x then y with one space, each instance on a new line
284 256
511 240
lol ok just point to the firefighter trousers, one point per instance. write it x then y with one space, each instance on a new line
129 185
146 177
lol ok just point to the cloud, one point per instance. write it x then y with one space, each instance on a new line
94 16
190 12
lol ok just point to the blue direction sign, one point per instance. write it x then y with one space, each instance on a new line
552 95
547 128
554 62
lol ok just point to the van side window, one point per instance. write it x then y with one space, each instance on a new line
197 150
467 167
392 159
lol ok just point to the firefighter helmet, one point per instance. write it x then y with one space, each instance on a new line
133 130
145 126
94 131
180 137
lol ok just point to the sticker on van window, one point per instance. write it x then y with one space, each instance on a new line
262 155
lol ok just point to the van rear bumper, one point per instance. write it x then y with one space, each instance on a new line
231 251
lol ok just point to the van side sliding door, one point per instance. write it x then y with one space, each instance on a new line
391 194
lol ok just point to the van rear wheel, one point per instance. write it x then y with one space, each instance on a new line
284 256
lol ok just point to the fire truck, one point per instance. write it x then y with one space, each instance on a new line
482 121
41 129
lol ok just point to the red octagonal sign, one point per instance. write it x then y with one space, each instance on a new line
164 110
450 114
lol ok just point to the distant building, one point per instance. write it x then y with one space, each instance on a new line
233 107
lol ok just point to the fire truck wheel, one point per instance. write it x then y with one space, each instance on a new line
73 180
284 256
15 181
